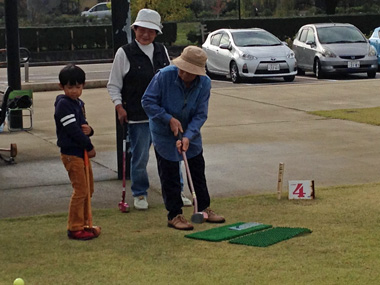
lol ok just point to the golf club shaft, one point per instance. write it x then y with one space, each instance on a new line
124 166
87 169
190 180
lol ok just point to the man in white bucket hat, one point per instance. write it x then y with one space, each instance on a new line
149 19
133 67
176 101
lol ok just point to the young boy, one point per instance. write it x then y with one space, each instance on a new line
73 134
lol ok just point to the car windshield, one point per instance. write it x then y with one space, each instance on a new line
339 34
255 38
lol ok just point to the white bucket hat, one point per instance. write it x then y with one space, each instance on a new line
149 19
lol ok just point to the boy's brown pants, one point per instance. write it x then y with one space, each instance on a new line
78 208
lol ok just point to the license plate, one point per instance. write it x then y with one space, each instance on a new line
353 64
273 66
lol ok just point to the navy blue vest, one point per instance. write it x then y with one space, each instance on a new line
139 76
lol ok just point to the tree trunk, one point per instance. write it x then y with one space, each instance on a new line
331 6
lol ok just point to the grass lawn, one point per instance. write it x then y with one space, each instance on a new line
138 248
365 115
182 30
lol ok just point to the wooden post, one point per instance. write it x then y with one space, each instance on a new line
280 180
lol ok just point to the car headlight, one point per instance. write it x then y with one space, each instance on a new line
328 53
290 55
247 56
372 51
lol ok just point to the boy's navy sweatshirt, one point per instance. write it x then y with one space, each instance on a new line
69 116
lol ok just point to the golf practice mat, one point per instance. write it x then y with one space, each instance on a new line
229 231
269 236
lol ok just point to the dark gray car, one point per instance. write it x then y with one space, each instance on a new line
331 48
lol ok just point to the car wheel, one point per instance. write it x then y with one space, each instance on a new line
289 78
371 74
234 73
318 70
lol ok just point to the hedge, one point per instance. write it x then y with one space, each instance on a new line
285 28
76 42
76 37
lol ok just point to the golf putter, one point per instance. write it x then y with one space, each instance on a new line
12 153
123 206
89 211
197 217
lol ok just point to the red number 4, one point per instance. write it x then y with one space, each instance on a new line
299 191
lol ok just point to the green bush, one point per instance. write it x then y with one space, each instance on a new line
169 35
194 37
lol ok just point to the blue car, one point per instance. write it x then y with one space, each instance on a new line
374 40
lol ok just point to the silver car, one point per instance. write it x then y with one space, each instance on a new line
248 53
330 48
100 10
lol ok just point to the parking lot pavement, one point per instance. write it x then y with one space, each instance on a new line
250 130
45 78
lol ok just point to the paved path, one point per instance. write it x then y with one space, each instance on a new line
250 130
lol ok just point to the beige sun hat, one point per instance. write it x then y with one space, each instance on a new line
192 60
149 19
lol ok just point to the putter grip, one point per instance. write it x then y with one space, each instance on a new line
180 135
86 162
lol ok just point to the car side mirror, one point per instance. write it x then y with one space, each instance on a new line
311 43
225 46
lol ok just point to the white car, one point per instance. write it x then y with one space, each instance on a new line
100 10
249 53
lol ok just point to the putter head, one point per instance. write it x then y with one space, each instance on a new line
123 207
13 150
199 218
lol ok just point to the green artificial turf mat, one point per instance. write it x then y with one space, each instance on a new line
269 236
225 232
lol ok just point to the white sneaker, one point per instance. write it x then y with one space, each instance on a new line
186 201
140 203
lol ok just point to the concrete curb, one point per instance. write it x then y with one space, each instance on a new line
41 87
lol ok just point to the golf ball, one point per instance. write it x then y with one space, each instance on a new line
18 281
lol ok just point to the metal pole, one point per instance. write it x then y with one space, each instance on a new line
13 44
13 57
26 68
121 31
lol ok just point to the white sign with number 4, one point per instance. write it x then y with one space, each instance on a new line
301 189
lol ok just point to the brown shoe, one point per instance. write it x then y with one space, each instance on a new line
213 217
180 223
